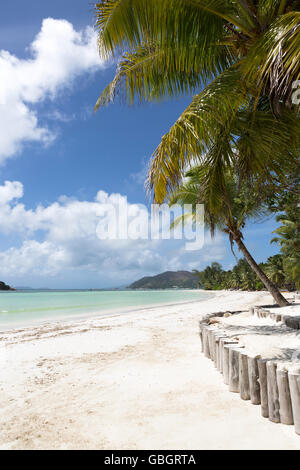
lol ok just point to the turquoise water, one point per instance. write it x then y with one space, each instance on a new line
21 308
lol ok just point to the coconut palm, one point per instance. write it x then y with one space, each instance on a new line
274 269
243 55
233 206
212 276
289 240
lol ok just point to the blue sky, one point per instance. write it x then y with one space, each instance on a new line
56 155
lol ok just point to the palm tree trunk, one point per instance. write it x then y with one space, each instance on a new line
274 291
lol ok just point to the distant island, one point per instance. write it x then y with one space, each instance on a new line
4 286
168 280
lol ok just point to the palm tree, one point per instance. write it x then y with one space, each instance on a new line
245 276
233 206
289 240
246 56
275 270
211 277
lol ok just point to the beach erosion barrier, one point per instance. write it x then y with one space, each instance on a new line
265 382
288 320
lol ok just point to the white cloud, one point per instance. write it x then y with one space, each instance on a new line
9 191
61 238
140 176
58 55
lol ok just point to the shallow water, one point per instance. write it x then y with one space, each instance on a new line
24 307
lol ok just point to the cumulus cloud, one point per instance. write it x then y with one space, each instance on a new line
58 55
9 191
63 237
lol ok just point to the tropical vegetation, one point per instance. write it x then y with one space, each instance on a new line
288 237
239 61
242 277
243 55
236 204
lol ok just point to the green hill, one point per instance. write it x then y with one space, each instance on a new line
168 280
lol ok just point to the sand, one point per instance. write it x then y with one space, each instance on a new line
131 381
264 337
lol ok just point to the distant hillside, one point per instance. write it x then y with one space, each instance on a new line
167 280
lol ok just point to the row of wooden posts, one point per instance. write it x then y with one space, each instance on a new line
288 320
255 379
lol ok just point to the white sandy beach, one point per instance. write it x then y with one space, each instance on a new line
131 381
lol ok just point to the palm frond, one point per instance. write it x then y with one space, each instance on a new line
273 63
127 24
153 73
208 117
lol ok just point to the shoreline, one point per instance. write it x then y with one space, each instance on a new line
105 313
131 381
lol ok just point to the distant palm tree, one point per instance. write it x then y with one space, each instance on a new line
247 55
275 270
211 277
229 212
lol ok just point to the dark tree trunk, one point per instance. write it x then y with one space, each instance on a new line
274 291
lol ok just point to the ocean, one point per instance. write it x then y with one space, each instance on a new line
23 308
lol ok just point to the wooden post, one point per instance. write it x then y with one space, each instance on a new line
205 342
234 370
216 361
291 322
294 383
221 353
215 346
254 380
201 338
244 386
219 338
264 313
224 341
262 372
258 313
285 403
226 349
273 395
211 343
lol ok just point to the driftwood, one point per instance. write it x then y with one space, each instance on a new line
262 372
285 403
254 380
294 384
244 386
273 394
